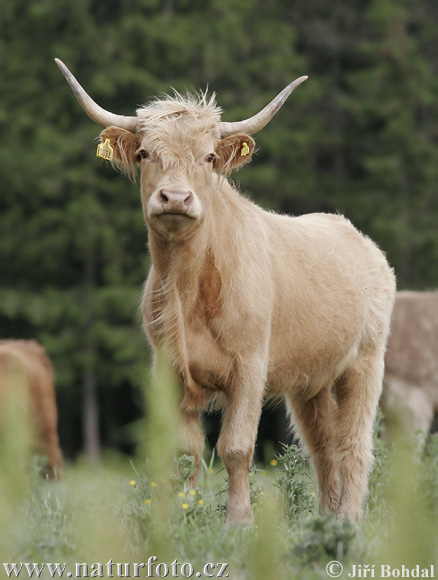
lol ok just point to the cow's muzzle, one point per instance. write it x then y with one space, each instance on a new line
175 202
174 210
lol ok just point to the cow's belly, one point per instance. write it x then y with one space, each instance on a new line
307 375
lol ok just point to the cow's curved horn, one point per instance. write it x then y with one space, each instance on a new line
93 110
261 119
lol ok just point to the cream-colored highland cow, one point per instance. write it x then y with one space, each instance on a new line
411 375
254 304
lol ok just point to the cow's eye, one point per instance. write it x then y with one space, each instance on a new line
210 158
142 154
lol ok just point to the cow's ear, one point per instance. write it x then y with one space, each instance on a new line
233 152
125 145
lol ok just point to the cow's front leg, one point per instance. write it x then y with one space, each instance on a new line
236 443
192 438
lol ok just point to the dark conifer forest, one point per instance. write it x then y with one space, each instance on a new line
360 137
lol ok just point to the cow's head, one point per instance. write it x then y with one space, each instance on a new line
179 143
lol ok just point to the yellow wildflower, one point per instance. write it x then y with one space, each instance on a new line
153 484
201 501
274 462
132 482
185 506
181 494
192 492
148 501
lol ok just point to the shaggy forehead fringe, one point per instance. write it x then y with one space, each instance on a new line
199 106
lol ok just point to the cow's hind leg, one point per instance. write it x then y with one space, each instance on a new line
313 420
357 394
237 440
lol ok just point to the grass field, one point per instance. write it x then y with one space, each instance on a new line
119 513
141 511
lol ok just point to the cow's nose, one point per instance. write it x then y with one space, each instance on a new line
175 200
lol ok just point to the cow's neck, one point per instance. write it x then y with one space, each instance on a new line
178 264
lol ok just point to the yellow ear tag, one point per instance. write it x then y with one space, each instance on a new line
105 151
245 149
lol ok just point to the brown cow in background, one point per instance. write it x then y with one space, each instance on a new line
411 374
27 361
